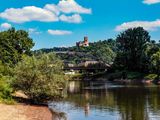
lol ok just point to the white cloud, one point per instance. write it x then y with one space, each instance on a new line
148 25
33 31
6 25
149 2
52 7
70 6
29 13
59 32
76 18
49 13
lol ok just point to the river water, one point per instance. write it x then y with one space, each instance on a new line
107 101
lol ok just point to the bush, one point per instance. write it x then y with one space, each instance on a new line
41 77
5 89
113 76
5 80
151 76
134 75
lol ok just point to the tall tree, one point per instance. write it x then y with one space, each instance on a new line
13 44
132 44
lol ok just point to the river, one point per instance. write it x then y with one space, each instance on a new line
108 101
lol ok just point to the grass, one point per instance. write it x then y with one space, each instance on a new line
7 101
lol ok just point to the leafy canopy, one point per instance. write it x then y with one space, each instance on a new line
13 44
40 77
132 44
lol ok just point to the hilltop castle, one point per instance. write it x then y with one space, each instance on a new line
84 43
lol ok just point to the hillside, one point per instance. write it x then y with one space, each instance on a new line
100 51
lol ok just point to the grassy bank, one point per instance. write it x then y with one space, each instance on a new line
127 76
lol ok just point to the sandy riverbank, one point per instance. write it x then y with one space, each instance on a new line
24 112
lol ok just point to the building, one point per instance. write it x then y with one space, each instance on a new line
84 43
87 63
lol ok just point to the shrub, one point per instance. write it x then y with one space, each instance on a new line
5 89
134 75
40 77
151 76
5 80
113 76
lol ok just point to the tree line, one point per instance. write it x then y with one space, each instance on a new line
39 74
132 50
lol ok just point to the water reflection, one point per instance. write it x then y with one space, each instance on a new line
114 103
86 109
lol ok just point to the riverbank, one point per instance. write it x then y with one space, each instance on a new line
126 77
24 112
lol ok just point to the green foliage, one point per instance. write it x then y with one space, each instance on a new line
156 62
134 75
40 77
101 51
5 70
151 48
5 88
129 75
156 59
104 53
150 76
113 76
132 44
13 44
5 80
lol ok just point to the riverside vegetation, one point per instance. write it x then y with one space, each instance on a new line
40 75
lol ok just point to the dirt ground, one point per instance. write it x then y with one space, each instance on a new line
24 112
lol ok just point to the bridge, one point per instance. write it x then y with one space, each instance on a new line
85 68
94 65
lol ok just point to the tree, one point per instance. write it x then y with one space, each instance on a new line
131 46
151 49
101 50
13 44
40 77
105 54
156 62
5 80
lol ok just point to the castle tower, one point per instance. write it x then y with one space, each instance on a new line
83 43
86 42
85 39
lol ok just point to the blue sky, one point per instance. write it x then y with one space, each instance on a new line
64 22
